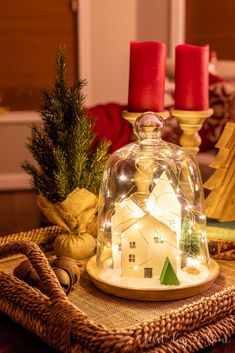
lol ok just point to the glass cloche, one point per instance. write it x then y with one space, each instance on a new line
151 224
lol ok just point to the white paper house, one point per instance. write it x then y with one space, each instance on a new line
127 212
145 246
164 205
142 238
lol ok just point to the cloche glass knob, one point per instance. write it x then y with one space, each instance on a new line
149 126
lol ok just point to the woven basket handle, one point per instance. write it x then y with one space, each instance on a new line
40 264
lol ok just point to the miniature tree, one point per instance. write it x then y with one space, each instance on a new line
168 275
189 242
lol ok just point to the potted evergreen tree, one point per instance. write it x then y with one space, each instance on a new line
69 165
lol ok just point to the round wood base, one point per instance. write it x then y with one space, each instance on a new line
151 294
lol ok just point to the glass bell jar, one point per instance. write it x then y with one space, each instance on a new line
152 238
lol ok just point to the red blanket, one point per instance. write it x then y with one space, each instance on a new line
109 124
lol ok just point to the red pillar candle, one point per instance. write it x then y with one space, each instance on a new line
191 77
147 76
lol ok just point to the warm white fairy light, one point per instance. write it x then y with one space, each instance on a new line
179 153
136 268
123 177
137 226
202 217
191 262
150 205
115 249
108 224
201 258
138 213
123 202
204 236
191 169
116 256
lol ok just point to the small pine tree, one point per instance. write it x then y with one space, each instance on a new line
189 242
63 144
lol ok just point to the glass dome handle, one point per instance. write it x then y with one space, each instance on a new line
149 126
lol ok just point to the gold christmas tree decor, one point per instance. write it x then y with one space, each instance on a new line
220 204
69 165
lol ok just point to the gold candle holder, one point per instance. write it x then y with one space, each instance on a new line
191 122
132 116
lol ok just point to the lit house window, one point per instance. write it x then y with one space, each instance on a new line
131 257
148 272
132 245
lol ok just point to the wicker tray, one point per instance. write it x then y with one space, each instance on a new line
92 321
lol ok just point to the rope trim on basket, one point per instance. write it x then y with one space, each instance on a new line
36 235
40 264
181 321
66 328
193 341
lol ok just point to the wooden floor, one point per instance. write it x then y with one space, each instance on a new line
18 212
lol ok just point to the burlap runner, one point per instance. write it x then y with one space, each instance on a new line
116 313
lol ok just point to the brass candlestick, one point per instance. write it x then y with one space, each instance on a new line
191 122
132 116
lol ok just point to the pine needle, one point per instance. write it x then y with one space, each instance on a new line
61 144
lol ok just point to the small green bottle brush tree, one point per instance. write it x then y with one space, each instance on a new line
189 242
69 164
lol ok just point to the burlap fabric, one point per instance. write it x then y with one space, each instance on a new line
75 215
92 321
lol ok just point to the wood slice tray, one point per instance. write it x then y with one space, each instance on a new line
159 294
